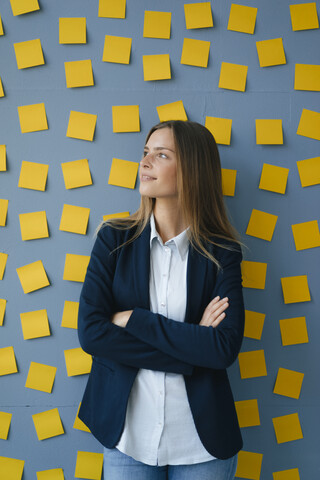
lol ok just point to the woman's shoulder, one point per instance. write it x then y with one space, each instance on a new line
224 248
110 230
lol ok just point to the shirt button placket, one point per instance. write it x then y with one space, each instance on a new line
166 267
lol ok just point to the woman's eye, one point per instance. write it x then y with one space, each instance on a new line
145 154
163 155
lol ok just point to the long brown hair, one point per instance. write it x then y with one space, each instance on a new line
199 189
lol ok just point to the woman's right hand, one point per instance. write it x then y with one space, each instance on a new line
214 312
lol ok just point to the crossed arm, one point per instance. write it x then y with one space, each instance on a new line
212 316
142 339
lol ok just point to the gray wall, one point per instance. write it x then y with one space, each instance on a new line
269 94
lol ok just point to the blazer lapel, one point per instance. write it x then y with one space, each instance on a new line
196 278
141 268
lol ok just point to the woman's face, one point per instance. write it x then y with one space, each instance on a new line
158 167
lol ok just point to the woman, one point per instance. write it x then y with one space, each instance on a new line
161 311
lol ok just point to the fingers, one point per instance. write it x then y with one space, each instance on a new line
218 308
214 312
218 320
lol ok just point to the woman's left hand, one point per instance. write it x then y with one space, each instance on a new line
121 318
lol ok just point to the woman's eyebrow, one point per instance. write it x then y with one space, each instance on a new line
159 148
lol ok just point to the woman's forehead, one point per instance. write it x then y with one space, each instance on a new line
163 137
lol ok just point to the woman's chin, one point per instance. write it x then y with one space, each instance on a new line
146 191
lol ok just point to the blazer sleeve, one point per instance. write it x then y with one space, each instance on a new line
200 345
98 336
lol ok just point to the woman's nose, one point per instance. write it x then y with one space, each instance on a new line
146 161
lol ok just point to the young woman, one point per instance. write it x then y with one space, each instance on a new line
161 311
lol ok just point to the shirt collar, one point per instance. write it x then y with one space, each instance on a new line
181 241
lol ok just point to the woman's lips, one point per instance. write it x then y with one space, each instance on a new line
146 178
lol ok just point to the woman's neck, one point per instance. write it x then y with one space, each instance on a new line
168 219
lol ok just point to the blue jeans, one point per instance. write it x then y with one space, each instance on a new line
118 466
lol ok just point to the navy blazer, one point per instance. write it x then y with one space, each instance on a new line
117 279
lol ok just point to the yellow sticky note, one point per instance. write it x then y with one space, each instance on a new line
53 474
5 420
1 89
172 111
198 15
115 215
295 289
32 118
29 53
125 118
74 219
3 158
261 225
35 324
271 52
156 67
248 413
220 129
8 364
253 274
304 16
123 173
33 276
287 428
41 377
274 179
195 52
76 173
1 27
78 424
252 364
77 361
293 331
269 132
70 314
288 383
89 465
253 324
233 76
79 73
11 468
3 211
292 474
307 77
72 30
112 8
306 235
48 424
3 304
75 267
242 19
228 178
33 225
117 49
81 125
249 465
33 176
157 24
309 171
3 262
24 6
309 124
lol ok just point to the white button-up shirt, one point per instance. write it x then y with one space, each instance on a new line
159 427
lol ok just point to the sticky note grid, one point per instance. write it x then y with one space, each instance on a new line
76 108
